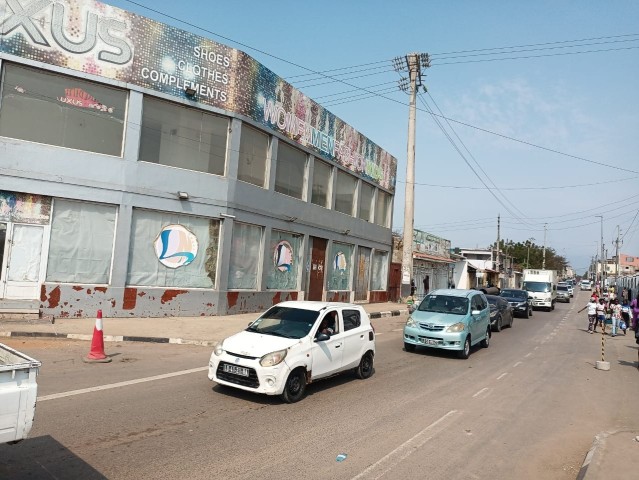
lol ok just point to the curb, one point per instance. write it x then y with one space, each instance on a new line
111 338
174 341
596 443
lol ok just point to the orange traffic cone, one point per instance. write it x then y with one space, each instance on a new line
97 355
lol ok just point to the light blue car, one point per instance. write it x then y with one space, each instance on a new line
449 320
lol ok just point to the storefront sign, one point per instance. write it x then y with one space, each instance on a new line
176 246
99 39
430 244
24 208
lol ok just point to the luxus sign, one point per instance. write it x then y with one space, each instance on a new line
101 32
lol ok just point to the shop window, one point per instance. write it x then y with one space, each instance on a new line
245 257
183 137
321 184
81 244
253 154
379 274
366 194
58 110
381 208
283 272
345 194
290 171
172 250
341 266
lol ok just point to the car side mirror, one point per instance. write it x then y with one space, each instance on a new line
475 312
322 337
531 298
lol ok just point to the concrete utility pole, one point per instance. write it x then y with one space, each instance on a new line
617 256
413 63
603 256
543 266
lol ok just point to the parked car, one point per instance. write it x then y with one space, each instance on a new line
293 344
563 294
519 300
501 313
449 319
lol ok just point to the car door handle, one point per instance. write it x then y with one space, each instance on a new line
337 346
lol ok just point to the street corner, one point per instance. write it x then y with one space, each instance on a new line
613 454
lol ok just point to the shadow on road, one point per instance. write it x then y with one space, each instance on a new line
43 458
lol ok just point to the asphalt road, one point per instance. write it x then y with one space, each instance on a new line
527 407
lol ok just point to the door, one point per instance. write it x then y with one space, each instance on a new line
394 282
355 338
363 273
21 260
316 274
327 355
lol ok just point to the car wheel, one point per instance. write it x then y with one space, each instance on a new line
365 369
552 306
295 387
498 324
527 313
465 352
409 347
568 301
531 312
485 343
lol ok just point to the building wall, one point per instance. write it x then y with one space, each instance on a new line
129 186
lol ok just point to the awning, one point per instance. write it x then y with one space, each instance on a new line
432 258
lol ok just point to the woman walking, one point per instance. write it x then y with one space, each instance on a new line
615 315
592 314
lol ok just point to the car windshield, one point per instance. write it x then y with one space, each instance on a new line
543 287
285 322
563 288
514 294
444 304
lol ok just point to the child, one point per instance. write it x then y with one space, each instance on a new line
592 314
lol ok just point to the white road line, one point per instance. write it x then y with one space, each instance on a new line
82 391
483 390
517 364
527 355
536 348
405 449
502 375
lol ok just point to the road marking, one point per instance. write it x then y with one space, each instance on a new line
483 390
527 355
502 376
517 364
109 386
535 348
407 448
378 334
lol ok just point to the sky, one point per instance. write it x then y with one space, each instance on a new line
561 104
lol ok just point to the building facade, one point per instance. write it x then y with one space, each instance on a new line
147 171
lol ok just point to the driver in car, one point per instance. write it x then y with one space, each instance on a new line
327 326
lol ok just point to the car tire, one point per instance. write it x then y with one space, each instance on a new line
485 343
465 352
527 313
295 387
498 324
409 347
531 312
366 367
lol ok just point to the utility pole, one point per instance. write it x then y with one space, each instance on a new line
497 248
617 256
543 266
413 63
603 256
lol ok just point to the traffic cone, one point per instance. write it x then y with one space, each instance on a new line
97 355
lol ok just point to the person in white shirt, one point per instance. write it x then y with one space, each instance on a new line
592 314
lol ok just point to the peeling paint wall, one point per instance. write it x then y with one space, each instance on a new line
65 301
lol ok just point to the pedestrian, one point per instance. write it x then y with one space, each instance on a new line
592 314
601 315
636 330
634 309
625 317
624 295
615 315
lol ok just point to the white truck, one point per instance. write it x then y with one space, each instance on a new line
18 391
542 286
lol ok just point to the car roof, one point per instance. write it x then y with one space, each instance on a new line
315 306
513 290
454 292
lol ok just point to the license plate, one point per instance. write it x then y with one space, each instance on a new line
430 341
234 369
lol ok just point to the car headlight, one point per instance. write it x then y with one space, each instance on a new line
457 327
522 304
410 322
219 349
273 358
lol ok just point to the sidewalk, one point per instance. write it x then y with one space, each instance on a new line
176 330
613 455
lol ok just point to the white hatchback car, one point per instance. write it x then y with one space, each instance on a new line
293 344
